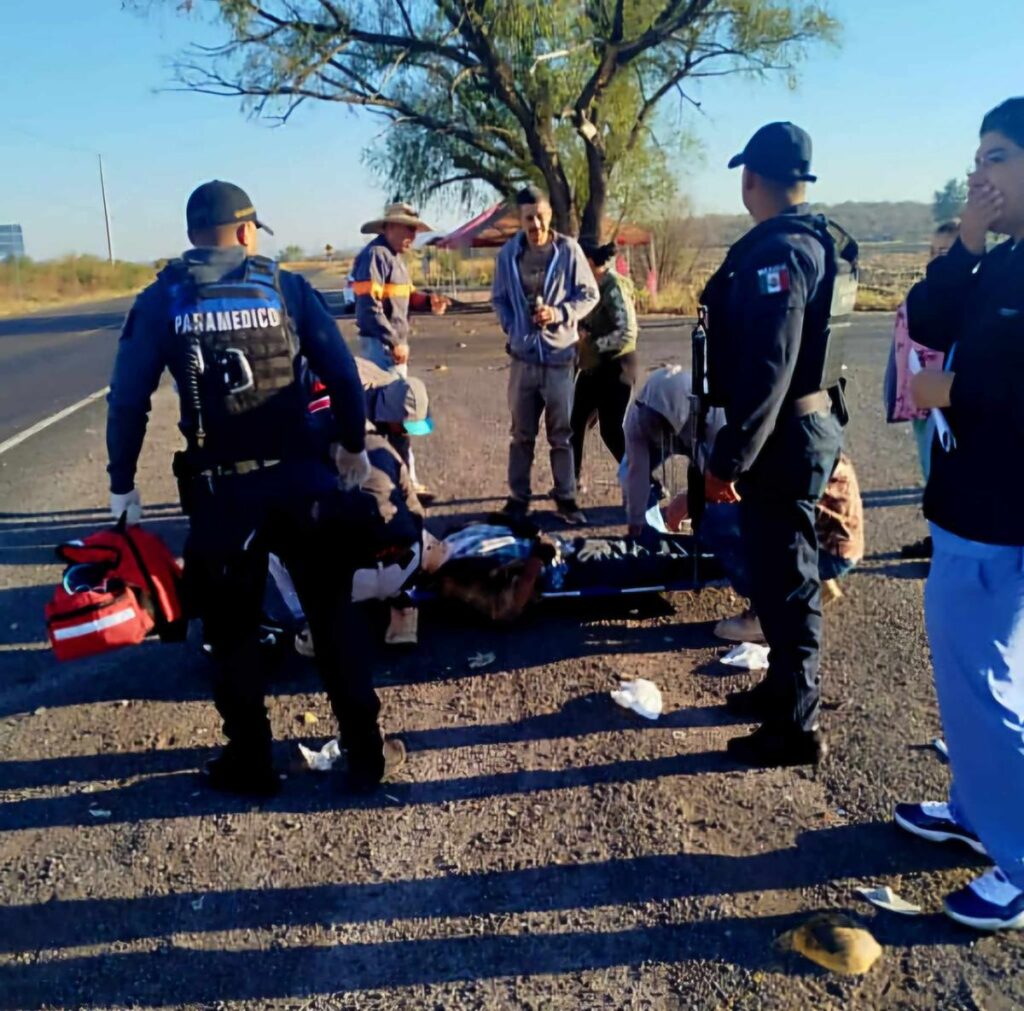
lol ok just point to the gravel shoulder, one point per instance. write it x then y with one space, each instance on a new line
543 848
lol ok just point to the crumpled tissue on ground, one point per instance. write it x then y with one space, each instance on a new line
324 759
748 655
641 695
885 898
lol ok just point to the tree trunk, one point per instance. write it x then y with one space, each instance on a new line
562 211
597 197
545 156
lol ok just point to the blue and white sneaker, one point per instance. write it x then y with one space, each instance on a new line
935 822
990 902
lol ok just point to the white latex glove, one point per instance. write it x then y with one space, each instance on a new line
353 468
130 502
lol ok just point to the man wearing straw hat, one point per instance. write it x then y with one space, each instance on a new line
384 291
384 296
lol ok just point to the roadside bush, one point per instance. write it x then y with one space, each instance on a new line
435 267
24 281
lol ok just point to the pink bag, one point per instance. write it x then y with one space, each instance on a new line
902 407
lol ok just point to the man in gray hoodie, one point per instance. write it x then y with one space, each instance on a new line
543 287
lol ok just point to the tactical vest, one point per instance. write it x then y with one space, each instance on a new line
241 399
820 362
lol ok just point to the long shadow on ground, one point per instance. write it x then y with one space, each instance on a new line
174 796
581 717
449 635
176 975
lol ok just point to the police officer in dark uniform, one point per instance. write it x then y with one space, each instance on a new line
237 333
774 368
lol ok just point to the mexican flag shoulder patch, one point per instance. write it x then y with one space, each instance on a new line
773 280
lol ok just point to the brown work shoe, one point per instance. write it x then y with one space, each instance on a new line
570 513
831 591
743 627
394 756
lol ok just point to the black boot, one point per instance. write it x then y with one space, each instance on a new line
245 765
756 703
366 776
770 747
516 508
247 772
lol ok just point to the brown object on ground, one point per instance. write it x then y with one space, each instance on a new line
833 941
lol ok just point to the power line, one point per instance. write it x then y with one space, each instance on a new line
63 145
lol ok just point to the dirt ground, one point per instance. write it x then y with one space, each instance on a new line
543 848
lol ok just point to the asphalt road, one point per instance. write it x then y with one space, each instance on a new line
51 360
54 358
542 849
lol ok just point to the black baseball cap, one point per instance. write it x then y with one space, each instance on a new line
219 203
779 151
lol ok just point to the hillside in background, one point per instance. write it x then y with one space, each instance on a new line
905 221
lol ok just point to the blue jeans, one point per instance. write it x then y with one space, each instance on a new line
974 612
379 352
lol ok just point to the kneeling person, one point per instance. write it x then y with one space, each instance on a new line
656 428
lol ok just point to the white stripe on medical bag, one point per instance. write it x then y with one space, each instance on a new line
76 631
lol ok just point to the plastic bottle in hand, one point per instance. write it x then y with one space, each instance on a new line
538 304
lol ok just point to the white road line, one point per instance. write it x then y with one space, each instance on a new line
39 426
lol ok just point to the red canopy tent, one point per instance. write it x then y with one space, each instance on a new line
496 225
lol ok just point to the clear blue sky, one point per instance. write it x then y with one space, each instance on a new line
893 112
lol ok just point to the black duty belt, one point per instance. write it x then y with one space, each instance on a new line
812 403
238 467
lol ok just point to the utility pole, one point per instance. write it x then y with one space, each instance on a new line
17 276
106 212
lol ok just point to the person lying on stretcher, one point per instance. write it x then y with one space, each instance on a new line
499 569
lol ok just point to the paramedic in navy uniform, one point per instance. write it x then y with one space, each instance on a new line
235 332
769 303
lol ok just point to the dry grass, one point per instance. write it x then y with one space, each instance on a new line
887 274
26 284
678 299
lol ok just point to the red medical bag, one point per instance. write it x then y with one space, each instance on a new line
122 582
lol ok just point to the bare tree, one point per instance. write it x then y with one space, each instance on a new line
497 92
